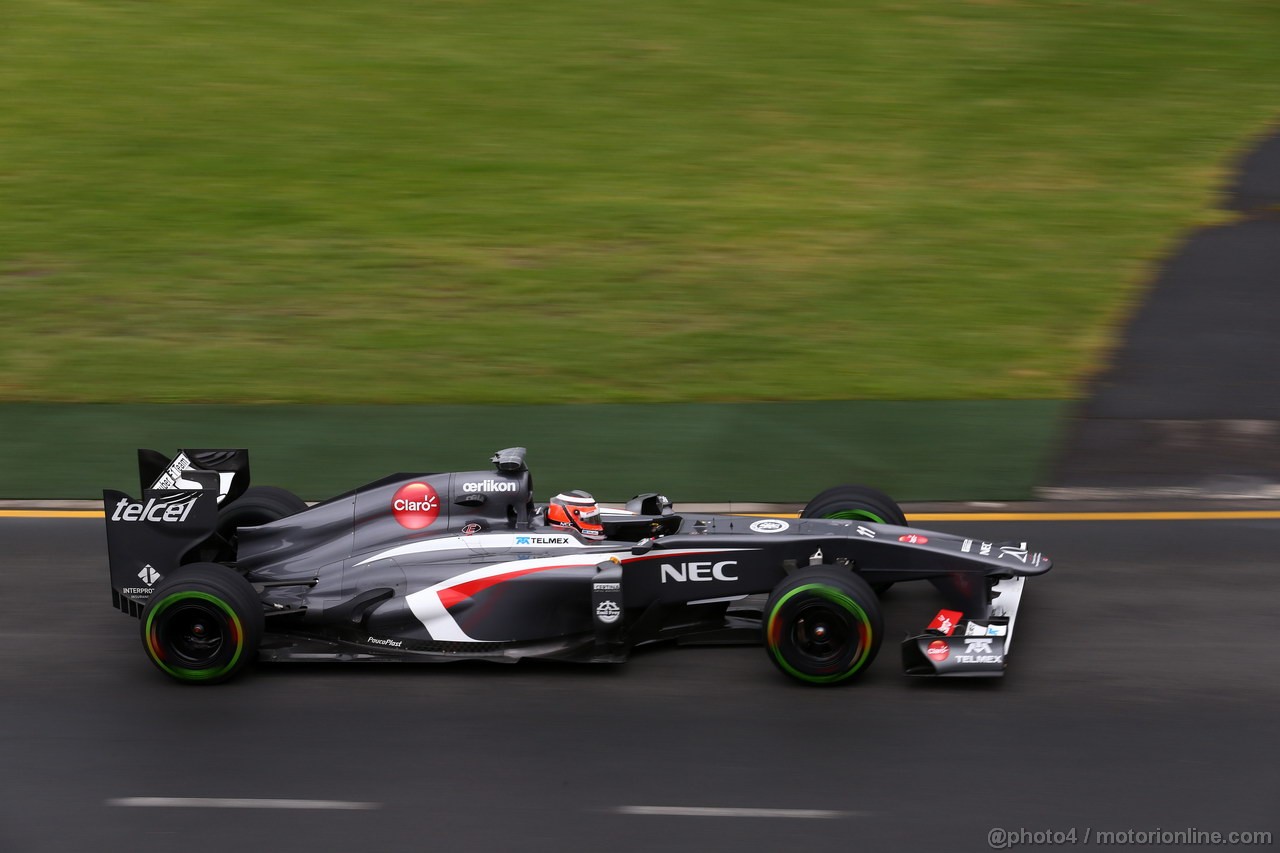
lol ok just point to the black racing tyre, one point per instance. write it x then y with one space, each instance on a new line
856 503
823 625
203 624
258 505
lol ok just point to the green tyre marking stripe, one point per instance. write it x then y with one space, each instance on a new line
195 674
855 514
831 595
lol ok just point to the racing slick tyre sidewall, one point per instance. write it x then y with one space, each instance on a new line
823 625
857 503
203 624
258 505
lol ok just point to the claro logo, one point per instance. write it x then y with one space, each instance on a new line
168 509
415 506
699 571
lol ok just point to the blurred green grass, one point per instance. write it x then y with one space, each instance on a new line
493 201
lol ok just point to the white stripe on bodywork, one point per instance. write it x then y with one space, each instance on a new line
717 600
431 612
481 542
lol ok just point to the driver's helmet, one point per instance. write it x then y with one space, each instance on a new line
576 511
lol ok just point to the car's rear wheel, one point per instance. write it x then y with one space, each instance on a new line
203 624
258 505
823 625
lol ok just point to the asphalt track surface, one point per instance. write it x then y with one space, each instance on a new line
1188 400
1141 695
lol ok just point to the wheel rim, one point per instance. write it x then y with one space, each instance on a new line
193 632
855 515
194 636
821 632
842 648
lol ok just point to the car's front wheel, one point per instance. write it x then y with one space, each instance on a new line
857 503
823 625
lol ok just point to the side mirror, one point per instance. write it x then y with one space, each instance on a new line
644 546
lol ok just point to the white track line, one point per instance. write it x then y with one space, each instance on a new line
696 811
229 803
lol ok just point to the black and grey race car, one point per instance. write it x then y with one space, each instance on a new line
462 566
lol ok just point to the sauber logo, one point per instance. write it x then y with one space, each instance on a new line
491 486
415 506
699 571
169 510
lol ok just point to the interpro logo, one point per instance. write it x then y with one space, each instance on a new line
149 575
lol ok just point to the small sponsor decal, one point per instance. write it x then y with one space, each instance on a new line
1019 553
914 539
938 651
545 540
866 531
377 641
491 486
769 525
699 571
608 611
978 651
979 629
149 575
606 587
945 621
171 477
471 529
415 506
984 548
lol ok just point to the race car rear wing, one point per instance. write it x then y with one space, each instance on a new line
148 538
183 471
175 521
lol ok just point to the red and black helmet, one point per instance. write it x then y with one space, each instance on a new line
576 511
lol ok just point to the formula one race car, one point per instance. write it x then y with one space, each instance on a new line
444 567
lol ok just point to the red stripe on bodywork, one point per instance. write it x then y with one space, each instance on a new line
457 594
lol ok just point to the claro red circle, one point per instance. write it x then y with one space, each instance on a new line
415 506
938 650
